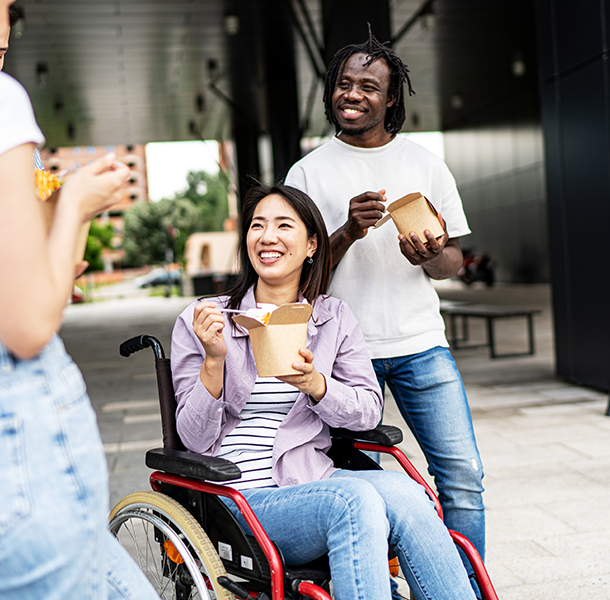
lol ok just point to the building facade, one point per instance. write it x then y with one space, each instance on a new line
63 160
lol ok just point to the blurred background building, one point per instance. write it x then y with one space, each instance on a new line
65 159
519 89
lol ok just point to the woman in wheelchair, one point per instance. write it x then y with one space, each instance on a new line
277 430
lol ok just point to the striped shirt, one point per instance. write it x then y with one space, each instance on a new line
250 444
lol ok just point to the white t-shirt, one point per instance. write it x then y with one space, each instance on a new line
394 301
17 123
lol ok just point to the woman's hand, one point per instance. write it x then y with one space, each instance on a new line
208 324
309 381
95 187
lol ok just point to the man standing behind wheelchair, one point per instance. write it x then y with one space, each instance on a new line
277 429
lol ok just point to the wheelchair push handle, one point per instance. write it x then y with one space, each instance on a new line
135 344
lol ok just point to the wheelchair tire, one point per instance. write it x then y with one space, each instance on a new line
170 546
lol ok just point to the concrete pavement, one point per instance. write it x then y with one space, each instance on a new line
545 444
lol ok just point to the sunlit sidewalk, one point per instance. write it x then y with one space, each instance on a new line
545 446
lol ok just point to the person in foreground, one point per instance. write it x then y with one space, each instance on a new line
277 430
54 543
387 281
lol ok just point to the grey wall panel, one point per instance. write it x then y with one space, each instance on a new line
579 32
500 172
493 136
547 58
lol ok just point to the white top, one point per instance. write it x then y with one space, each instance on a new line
250 444
394 301
17 123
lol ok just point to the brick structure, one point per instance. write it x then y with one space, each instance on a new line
57 160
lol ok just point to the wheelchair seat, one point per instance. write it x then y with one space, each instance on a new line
240 552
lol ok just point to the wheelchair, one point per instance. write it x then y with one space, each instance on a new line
190 545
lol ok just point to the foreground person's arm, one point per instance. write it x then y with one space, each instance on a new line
38 269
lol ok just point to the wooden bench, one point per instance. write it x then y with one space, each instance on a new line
466 310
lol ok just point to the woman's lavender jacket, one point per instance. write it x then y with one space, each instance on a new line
352 400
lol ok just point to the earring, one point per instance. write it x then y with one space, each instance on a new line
310 260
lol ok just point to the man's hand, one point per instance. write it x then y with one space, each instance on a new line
424 251
440 257
364 211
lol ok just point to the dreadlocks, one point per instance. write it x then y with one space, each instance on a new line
13 16
399 74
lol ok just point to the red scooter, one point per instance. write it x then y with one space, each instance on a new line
476 267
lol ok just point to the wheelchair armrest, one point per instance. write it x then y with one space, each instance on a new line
385 435
190 464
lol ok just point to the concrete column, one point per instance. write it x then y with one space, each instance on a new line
281 87
575 99
240 27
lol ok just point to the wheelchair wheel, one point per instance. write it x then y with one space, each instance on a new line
170 546
403 592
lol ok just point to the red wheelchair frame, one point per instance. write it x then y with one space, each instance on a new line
185 470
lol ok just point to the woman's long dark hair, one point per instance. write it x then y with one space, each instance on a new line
315 276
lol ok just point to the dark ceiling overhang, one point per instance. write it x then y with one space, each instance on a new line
134 71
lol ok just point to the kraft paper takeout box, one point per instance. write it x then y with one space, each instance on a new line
276 345
413 212
48 207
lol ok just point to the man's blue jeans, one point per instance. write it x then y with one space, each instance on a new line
352 516
430 395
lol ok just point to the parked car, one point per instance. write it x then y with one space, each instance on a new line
158 276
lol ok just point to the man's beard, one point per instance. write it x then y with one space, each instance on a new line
354 132
357 131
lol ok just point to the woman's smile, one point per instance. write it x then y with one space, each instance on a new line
268 256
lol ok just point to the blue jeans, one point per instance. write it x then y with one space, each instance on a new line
430 395
54 542
352 516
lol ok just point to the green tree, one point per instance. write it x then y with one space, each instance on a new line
210 193
151 228
100 236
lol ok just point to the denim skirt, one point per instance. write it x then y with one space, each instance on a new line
53 481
